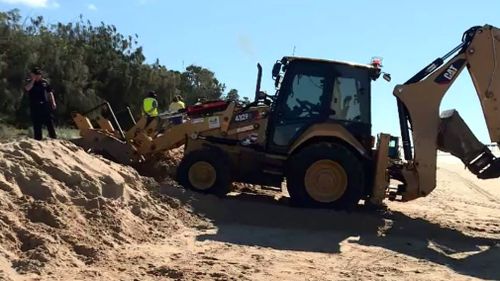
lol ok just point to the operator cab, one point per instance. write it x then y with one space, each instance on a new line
313 91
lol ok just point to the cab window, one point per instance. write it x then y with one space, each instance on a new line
304 100
350 98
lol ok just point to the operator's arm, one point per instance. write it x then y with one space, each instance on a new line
52 100
50 96
29 86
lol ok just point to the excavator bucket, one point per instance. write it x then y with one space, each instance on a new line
456 138
419 100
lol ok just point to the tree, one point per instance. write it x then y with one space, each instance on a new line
198 82
232 95
86 65
245 101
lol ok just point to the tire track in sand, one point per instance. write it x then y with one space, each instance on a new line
473 186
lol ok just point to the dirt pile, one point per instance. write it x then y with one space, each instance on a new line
68 215
61 207
163 166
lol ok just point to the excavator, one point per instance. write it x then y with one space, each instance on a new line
315 133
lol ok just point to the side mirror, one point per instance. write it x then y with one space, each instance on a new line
276 70
262 95
387 77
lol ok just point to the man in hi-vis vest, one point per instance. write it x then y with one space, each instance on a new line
150 106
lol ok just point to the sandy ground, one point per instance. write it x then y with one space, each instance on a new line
453 234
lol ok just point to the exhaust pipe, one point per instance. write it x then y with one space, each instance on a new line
259 79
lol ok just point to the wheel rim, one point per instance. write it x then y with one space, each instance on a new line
202 175
325 181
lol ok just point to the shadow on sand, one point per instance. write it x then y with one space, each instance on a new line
260 220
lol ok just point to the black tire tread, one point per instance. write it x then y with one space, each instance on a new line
218 160
300 162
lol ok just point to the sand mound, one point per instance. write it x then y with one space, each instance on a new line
61 207
69 215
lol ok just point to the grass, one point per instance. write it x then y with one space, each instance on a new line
8 132
67 133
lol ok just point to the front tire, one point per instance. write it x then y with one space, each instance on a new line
206 171
326 175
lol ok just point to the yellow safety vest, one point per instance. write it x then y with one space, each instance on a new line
150 107
176 106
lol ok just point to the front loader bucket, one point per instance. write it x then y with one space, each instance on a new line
108 138
109 146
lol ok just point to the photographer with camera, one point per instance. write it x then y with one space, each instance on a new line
42 104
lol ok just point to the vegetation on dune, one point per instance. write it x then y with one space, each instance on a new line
86 65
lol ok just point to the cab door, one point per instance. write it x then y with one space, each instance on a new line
303 99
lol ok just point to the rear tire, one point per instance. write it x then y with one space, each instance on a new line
206 171
327 175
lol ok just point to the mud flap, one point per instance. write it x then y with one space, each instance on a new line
456 138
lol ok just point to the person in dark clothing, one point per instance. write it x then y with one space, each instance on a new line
42 104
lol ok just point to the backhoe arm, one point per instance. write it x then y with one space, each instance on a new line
418 104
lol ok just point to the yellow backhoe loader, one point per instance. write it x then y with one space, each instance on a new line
315 132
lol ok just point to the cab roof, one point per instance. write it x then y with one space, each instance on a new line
351 64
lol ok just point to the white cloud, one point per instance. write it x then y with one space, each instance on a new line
92 7
33 3
246 46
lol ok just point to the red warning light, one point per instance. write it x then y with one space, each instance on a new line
377 62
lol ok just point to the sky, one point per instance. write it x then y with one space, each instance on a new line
229 37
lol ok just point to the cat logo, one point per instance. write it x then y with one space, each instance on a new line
450 72
447 76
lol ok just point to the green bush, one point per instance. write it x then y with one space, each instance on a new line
86 65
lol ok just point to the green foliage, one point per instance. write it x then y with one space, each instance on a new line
198 82
87 65
233 95
245 101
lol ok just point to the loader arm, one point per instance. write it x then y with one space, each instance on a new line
419 100
176 135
